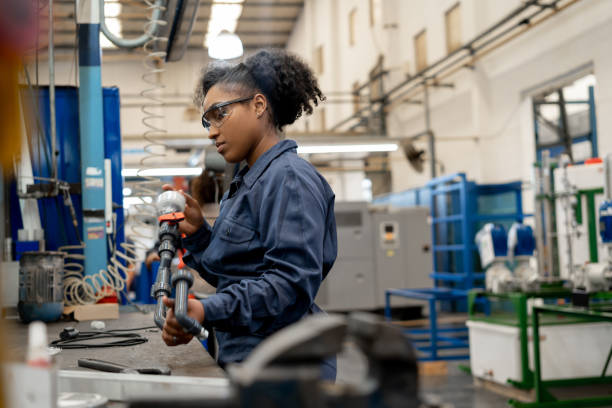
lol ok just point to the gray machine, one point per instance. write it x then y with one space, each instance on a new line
378 248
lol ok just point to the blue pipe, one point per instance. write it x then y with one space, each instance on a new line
91 128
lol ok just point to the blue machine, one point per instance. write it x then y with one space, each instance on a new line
524 243
55 215
500 240
605 222
492 243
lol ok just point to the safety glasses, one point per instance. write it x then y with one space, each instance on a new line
217 114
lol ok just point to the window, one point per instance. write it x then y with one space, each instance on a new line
317 60
565 120
352 26
452 20
375 12
420 50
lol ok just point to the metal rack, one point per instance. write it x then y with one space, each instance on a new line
458 208
544 397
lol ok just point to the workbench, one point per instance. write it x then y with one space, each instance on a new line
185 360
193 371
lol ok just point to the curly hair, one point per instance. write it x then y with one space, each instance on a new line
283 78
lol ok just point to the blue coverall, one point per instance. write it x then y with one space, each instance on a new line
271 246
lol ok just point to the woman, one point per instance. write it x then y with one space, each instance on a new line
275 238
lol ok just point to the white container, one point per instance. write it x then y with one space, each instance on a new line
566 351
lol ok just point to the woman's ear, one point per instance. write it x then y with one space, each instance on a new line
261 104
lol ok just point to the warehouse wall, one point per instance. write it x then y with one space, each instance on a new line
179 81
484 124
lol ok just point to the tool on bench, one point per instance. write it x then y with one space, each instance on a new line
170 207
111 367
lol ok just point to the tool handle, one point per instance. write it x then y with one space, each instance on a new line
203 335
101 365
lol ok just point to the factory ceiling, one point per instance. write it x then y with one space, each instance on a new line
262 23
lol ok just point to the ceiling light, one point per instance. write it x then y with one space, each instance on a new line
225 46
224 16
127 191
162 172
355 148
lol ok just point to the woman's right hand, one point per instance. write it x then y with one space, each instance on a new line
193 213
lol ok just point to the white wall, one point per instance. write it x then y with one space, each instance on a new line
484 124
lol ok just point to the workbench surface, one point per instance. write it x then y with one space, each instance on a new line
185 360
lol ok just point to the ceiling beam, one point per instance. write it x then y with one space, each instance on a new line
240 33
141 18
246 4
70 47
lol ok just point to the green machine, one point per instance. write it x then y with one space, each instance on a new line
555 338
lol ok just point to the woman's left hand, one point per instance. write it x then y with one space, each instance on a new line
173 333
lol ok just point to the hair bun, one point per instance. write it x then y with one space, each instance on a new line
287 82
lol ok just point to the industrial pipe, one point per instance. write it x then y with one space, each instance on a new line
478 54
158 7
52 123
170 206
182 281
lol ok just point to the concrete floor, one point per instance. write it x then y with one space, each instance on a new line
457 390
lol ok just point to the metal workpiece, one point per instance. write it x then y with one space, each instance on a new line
182 281
170 205
168 238
162 288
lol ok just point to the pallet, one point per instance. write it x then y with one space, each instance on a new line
450 319
506 390
433 368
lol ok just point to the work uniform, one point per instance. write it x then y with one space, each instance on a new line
271 246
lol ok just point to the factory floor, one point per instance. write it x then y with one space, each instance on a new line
456 389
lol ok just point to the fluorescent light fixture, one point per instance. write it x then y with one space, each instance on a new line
225 46
222 24
162 172
354 148
111 12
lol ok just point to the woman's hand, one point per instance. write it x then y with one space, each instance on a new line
193 213
152 257
173 333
